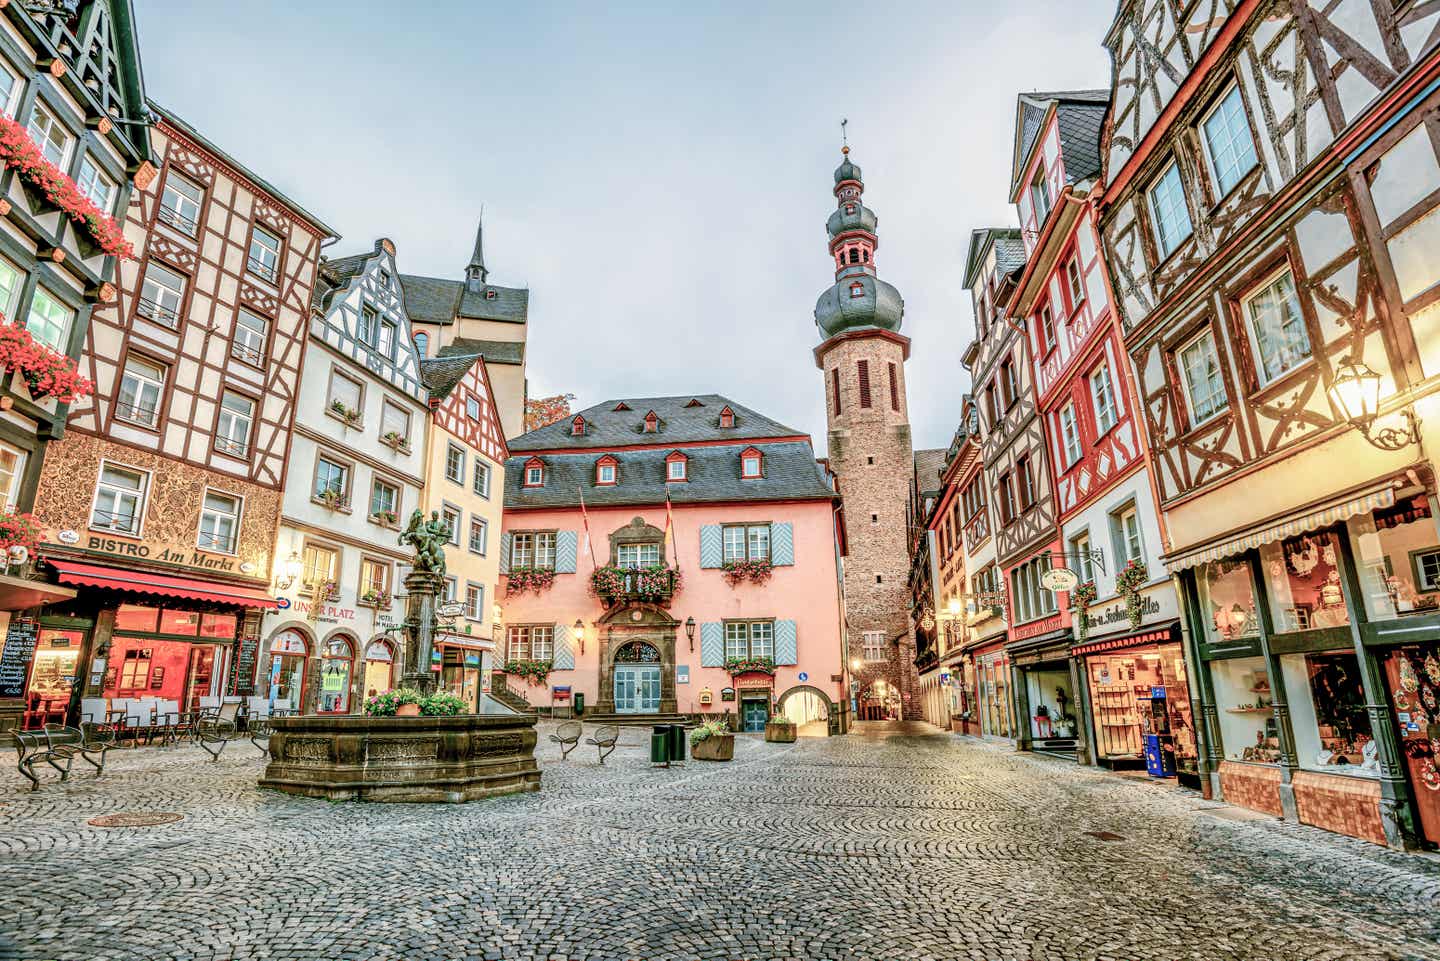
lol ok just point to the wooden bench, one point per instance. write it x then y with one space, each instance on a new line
604 739
567 735
58 743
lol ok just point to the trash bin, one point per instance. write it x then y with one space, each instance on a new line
677 742
659 748
579 703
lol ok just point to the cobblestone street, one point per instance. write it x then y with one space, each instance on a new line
880 845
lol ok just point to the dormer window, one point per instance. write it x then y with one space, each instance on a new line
652 422
534 473
607 471
490 295
577 426
857 289
621 406
676 467
695 402
752 464
727 418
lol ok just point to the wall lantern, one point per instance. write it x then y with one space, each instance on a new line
953 606
580 633
690 632
1355 391
290 569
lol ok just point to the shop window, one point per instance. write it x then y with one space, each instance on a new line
1140 694
1227 598
132 618
1302 577
1397 553
379 667
336 662
1244 699
180 622
220 626
1327 712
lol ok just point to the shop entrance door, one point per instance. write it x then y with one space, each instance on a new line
1412 673
754 714
637 688
200 676
52 677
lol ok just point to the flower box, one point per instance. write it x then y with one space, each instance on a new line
395 442
750 665
716 747
780 732
380 600
756 572
655 584
534 672
348 415
387 518
46 372
518 580
334 500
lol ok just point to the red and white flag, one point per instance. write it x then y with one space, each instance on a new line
670 533
585 516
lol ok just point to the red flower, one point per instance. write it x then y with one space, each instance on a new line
17 150
47 373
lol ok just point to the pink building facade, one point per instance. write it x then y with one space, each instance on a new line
737 612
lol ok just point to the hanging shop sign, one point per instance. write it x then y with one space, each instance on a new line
1157 604
1059 579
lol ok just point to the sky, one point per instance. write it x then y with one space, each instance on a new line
657 174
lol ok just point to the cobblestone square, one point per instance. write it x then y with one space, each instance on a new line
881 845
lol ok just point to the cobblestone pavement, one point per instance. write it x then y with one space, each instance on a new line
874 846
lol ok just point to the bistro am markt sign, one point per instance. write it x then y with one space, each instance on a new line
126 548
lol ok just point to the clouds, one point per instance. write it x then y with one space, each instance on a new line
658 175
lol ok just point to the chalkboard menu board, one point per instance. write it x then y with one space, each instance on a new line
15 658
247 649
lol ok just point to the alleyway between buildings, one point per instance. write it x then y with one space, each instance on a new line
895 843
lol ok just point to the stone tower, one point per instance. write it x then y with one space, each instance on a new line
862 355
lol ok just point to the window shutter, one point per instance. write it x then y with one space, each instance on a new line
782 544
712 546
862 369
505 553
786 648
835 385
894 390
712 645
564 657
566 544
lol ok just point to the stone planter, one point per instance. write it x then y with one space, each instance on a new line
781 732
716 747
418 759
407 710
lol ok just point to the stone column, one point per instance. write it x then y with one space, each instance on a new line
422 587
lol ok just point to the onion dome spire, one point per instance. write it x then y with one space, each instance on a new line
858 299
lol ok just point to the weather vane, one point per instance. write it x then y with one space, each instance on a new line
844 137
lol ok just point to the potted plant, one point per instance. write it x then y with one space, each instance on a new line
393 440
388 518
756 572
750 665
780 729
401 702
349 415
1129 583
376 599
534 672
19 530
712 741
332 499
522 579
442 704
46 372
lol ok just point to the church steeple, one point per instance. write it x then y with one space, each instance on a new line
476 274
858 298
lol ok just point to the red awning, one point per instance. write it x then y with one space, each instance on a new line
118 579
465 641
1166 635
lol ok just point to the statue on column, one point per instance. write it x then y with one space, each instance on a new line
428 538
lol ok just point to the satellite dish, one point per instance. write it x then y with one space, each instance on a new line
1059 579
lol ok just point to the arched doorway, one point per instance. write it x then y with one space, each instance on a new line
289 653
808 709
636 675
379 667
337 667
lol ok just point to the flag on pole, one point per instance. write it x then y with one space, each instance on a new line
585 516
670 532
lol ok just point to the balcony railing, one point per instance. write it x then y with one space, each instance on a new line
179 221
159 313
653 585
219 543
246 353
261 269
126 523
235 448
136 414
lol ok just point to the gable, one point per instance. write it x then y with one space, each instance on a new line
472 395
370 285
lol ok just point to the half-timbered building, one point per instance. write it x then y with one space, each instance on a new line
160 505
477 317
465 483
72 108
928 545
1269 216
356 475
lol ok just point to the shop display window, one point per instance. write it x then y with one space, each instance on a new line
52 676
137 619
179 622
995 696
335 666
1139 693
1327 710
220 626
379 668
1247 720
1302 577
1397 555
1227 598
146 668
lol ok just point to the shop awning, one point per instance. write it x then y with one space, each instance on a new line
464 640
1375 498
19 593
164 585
1164 635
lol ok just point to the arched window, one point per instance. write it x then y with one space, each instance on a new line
422 342
577 426
854 255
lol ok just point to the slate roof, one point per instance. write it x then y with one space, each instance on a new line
928 466
334 274
495 351
1079 116
432 300
790 473
1009 250
679 424
441 374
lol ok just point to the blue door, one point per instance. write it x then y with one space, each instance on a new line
754 715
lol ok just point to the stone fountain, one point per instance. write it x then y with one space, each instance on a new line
415 759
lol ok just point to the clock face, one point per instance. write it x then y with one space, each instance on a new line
636 615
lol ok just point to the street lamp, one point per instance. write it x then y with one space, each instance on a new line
290 569
953 607
690 631
1355 392
580 633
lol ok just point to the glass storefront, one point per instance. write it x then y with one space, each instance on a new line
1227 597
1302 578
379 668
1327 712
1412 678
1397 559
285 670
52 677
336 663
996 712
169 654
1243 700
460 674
1141 698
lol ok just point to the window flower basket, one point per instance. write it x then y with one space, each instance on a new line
522 579
712 741
1082 597
1128 583
380 600
394 441
44 179
650 584
534 672
349 415
333 499
608 583
756 572
388 518
750 665
46 372
19 530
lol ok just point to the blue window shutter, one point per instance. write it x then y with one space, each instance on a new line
566 543
505 553
564 656
712 644
782 544
712 546
786 649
